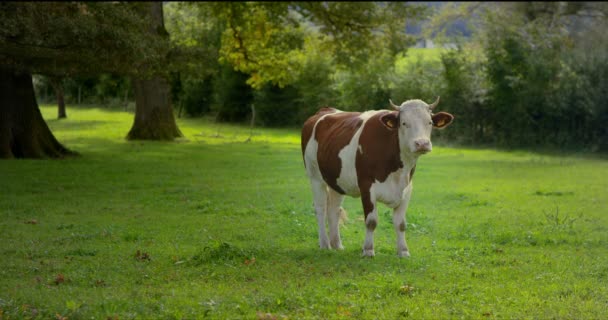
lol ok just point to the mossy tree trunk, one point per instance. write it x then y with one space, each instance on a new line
23 131
57 84
154 118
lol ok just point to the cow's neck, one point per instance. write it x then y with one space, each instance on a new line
409 160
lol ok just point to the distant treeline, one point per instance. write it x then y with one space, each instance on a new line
521 86
516 96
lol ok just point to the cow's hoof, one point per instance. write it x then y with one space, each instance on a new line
324 245
337 246
404 254
368 253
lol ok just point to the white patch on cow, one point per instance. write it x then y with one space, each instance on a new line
347 180
390 191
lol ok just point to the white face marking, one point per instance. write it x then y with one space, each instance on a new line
415 127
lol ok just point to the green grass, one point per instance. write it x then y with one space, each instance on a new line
215 227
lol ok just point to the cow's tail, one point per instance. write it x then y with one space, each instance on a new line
343 216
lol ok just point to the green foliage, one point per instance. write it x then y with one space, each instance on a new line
106 89
315 85
367 87
464 96
417 77
196 96
233 95
277 106
226 229
266 40
68 38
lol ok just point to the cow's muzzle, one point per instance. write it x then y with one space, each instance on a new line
423 146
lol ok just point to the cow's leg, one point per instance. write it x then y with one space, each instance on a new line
371 221
319 191
399 222
334 201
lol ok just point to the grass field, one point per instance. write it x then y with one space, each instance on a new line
215 227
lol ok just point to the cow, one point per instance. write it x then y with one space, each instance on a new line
371 155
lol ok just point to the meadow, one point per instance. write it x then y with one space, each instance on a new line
211 226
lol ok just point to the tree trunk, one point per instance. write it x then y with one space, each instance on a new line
154 118
23 131
58 86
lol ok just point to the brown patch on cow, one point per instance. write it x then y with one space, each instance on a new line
380 157
402 226
333 133
309 126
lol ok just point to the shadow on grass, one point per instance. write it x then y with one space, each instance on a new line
59 125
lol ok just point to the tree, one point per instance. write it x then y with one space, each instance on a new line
64 39
23 132
266 39
154 118
57 84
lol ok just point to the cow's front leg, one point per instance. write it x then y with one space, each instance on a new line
399 222
319 191
371 221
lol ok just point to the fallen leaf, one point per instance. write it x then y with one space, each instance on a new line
266 316
249 262
142 256
406 290
59 279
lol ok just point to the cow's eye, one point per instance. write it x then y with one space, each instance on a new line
431 122
403 123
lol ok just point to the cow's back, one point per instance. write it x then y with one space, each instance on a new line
309 125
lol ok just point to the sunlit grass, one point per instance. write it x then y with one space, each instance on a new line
213 226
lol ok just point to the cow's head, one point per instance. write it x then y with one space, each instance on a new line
414 120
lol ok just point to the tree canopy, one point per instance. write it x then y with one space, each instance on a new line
68 38
267 40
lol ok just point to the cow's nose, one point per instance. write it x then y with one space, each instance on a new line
423 145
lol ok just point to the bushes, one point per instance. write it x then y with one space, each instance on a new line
196 96
233 97
277 106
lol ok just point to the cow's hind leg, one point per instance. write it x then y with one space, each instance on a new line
399 222
319 191
371 221
334 201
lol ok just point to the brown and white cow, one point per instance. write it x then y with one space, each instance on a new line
371 155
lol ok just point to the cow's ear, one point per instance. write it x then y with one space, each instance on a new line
390 120
442 120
